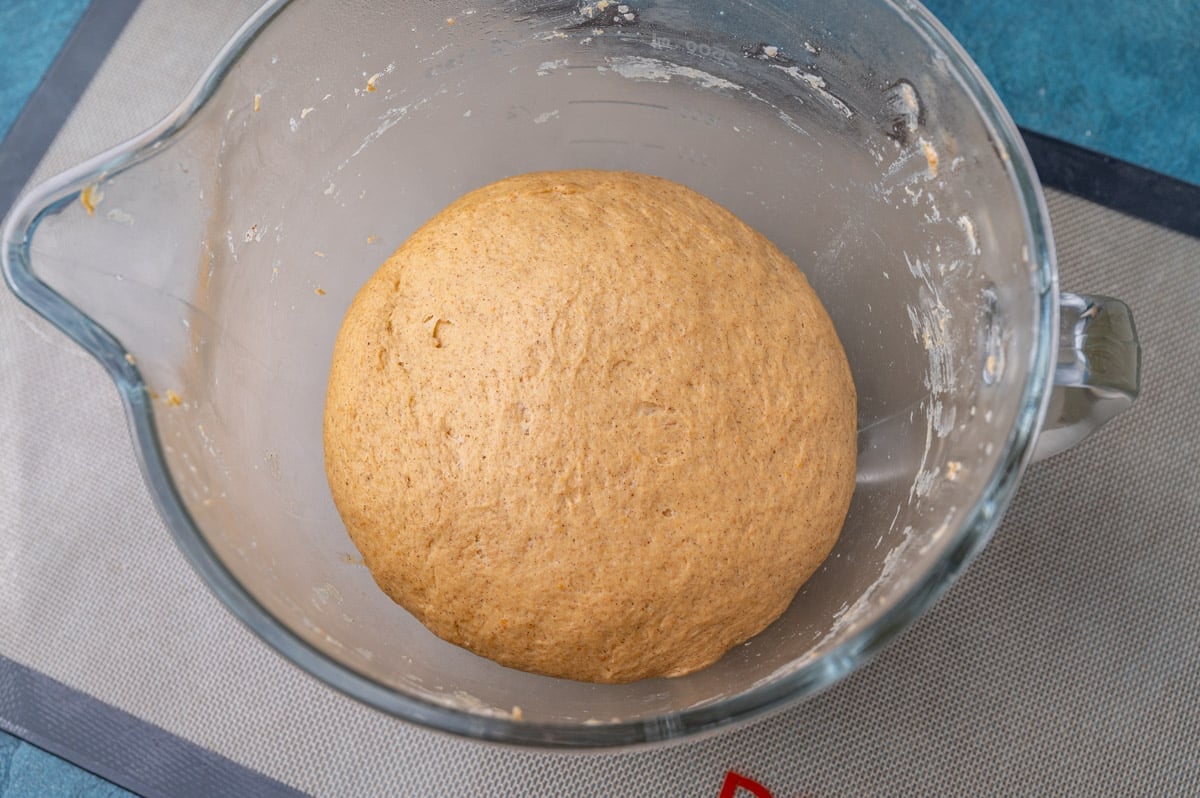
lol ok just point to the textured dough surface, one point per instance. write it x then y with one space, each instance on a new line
590 424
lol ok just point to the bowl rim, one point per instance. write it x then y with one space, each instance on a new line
808 679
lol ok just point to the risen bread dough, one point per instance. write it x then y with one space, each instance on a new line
590 424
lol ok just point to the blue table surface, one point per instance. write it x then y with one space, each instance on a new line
1116 76
31 34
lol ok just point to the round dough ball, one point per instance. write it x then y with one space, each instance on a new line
590 424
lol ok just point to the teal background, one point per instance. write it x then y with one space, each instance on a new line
31 34
28 771
1116 76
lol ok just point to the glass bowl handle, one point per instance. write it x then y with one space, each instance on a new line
1098 373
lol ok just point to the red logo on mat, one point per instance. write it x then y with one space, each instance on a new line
735 783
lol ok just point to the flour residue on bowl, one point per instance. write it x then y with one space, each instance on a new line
916 162
967 225
387 120
463 701
895 573
655 70
120 217
546 67
848 613
326 594
637 67
915 177
904 104
930 327
818 86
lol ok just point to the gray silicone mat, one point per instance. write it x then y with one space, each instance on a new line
1065 662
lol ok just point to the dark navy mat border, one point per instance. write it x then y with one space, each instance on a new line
1115 184
117 746
55 96
148 760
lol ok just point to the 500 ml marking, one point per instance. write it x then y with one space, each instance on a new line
693 48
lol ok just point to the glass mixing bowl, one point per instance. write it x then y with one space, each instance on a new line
208 263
